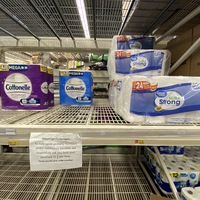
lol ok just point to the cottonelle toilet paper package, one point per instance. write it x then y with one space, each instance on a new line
50 87
76 87
189 193
138 62
24 87
132 42
161 99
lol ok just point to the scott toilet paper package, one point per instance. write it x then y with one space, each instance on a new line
75 87
24 87
161 99
138 62
50 87
132 42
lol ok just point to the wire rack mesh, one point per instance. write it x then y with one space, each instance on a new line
101 114
107 177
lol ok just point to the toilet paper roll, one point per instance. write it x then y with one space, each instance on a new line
160 99
197 189
189 193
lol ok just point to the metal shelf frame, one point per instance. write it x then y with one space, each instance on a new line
96 125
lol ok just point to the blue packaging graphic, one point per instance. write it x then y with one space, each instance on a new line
167 100
140 62
169 150
161 99
132 42
75 87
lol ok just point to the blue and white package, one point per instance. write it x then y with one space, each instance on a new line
169 150
139 62
125 42
183 174
161 99
75 87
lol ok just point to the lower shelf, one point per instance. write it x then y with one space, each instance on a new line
101 177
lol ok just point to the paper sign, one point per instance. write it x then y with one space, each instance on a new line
55 151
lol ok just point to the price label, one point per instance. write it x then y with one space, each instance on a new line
13 142
139 141
175 175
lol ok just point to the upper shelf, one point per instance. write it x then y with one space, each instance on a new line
99 76
96 125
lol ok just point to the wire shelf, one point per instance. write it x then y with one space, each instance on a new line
101 177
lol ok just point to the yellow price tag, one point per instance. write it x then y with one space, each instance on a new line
4 67
139 141
50 70
175 175
13 142
43 68
64 73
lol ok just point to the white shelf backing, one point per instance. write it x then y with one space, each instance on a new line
101 177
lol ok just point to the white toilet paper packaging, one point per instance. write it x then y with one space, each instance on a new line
50 86
197 189
24 87
139 62
75 87
161 99
115 93
132 42
111 94
189 193
182 173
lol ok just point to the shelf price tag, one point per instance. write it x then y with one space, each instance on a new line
13 142
10 131
139 141
55 151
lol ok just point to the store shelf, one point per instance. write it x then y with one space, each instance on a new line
96 125
101 177
99 76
